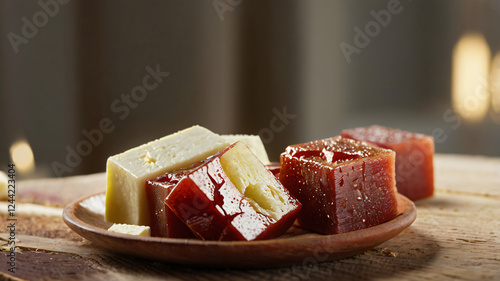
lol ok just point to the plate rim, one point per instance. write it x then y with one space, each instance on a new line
86 230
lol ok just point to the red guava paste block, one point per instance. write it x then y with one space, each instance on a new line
414 157
342 184
164 223
214 209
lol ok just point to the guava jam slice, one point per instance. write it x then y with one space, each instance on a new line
164 223
342 184
233 197
414 157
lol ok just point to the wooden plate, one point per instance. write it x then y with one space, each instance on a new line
296 247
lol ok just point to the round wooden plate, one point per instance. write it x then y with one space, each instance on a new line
296 247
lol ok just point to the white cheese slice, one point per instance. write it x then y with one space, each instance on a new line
264 192
253 142
128 172
3 186
136 230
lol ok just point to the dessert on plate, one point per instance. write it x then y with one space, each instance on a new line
342 184
140 180
200 185
232 196
414 157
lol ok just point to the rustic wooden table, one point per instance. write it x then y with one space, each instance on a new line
455 236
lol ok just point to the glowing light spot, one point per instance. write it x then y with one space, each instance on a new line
22 156
495 88
470 73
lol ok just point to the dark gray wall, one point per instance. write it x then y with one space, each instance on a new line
234 72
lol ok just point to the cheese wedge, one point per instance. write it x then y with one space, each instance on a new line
232 197
264 192
127 172
136 230
253 142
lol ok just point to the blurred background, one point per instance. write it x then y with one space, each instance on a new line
83 80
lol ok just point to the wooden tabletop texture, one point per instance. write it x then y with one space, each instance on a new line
455 237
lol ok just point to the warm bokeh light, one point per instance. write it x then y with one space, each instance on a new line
495 86
22 156
470 73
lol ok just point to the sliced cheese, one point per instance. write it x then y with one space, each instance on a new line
128 172
253 142
136 230
251 178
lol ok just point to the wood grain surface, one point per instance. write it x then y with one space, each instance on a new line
455 237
